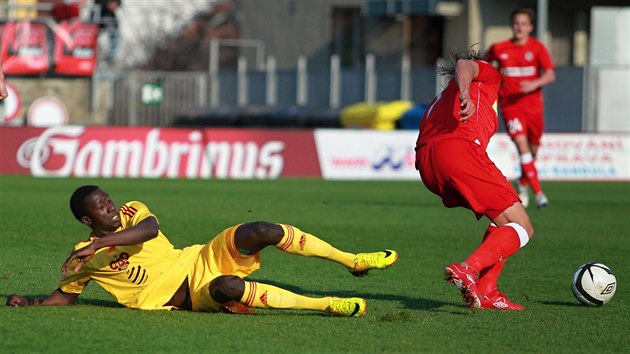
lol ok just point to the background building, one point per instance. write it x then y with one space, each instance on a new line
277 55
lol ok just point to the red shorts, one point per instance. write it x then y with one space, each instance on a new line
531 125
461 172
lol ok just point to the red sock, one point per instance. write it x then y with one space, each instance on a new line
523 180
529 171
500 244
491 228
489 277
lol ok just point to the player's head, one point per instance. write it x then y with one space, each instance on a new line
448 68
113 4
522 23
78 203
93 207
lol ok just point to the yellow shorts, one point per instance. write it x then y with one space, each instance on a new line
218 257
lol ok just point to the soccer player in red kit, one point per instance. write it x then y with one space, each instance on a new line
453 163
521 60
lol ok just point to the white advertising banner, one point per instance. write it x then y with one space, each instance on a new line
366 154
569 157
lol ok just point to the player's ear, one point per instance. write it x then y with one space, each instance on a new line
86 220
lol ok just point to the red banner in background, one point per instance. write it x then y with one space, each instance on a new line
158 152
75 48
25 49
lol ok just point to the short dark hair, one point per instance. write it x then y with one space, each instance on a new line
77 200
524 11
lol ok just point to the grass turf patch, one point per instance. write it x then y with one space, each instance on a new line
410 307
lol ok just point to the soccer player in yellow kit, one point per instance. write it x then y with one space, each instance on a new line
128 256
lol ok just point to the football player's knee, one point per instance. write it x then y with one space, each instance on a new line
226 288
529 228
266 232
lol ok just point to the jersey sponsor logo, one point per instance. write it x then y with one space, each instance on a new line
128 210
504 56
518 71
121 262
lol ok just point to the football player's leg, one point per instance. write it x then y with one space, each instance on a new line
296 241
226 289
489 277
252 237
529 173
534 140
514 231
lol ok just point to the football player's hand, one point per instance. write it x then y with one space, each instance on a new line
82 255
527 86
467 107
17 301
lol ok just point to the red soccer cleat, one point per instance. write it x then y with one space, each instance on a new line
465 279
498 301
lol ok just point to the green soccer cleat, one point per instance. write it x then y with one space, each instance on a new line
376 260
347 307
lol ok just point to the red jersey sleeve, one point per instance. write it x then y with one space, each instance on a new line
487 73
544 58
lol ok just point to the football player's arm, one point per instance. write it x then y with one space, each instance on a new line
56 298
145 230
465 72
546 78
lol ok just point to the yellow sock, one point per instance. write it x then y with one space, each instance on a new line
296 241
268 296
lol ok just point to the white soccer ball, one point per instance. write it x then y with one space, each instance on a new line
594 284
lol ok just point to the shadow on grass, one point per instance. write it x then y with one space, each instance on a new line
98 302
373 203
410 303
561 303
81 301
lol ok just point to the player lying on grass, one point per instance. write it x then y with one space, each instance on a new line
453 163
128 256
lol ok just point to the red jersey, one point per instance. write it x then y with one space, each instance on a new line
518 63
441 118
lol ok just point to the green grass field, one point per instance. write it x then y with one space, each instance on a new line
410 307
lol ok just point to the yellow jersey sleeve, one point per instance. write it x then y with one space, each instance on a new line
131 213
75 282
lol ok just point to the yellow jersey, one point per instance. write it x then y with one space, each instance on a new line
143 276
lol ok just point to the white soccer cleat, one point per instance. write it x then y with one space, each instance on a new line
523 193
541 200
